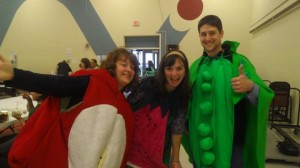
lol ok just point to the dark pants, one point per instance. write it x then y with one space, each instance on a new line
4 149
237 156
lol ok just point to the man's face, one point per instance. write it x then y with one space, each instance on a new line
211 39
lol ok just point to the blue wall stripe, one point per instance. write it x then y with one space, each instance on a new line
91 25
171 35
8 10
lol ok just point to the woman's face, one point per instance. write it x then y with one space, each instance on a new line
124 72
82 65
93 64
174 75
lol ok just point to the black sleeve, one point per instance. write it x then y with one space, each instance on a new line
142 95
54 85
69 69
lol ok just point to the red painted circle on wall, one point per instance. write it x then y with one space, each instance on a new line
189 9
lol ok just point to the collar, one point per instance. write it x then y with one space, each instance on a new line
225 53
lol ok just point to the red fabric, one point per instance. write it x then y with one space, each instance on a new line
43 141
80 72
148 142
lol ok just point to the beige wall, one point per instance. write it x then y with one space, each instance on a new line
275 50
42 31
235 15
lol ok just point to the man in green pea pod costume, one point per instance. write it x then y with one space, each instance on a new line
228 114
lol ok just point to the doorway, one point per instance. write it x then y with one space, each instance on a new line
145 55
146 48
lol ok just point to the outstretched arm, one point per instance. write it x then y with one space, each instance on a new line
42 83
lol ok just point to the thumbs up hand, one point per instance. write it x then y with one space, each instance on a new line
6 69
241 84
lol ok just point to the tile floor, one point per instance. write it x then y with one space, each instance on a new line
271 153
268 165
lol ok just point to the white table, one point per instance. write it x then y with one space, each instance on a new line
10 104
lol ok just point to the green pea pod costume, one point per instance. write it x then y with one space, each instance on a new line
211 113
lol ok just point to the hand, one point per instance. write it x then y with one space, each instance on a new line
17 115
6 69
241 84
26 95
175 165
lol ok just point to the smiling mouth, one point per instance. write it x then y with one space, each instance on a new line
174 80
209 44
127 76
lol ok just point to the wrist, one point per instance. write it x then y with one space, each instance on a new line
251 86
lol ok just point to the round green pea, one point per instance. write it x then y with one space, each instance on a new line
206 143
206 108
208 158
206 76
204 129
206 87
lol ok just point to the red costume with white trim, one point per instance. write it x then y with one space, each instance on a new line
96 132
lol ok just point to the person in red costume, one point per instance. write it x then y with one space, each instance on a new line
85 122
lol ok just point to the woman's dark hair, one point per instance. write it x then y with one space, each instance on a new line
86 62
151 64
121 53
183 90
211 20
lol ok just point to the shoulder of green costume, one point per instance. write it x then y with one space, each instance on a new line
196 62
248 67
241 59
240 56
232 45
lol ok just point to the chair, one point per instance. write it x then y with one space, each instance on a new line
280 109
280 116
268 82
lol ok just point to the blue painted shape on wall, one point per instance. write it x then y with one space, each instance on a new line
8 10
163 44
170 35
91 25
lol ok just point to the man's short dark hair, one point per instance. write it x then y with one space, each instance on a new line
211 20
